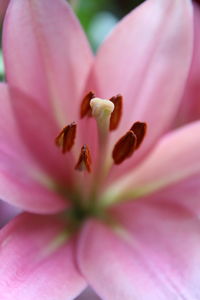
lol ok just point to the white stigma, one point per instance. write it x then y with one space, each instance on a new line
101 111
101 108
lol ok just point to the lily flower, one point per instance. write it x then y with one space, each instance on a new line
110 193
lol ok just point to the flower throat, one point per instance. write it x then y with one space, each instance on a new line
107 114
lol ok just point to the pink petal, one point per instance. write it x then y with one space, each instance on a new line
38 131
20 176
23 185
155 257
37 260
185 193
175 158
10 139
45 37
190 107
18 188
146 59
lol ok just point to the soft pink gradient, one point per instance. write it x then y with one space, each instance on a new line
149 247
157 258
47 266
190 108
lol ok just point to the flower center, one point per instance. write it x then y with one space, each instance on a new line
107 113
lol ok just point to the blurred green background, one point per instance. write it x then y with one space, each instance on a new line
97 17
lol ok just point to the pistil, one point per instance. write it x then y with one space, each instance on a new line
101 111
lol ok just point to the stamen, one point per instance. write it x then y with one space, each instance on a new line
84 161
117 113
140 129
125 147
66 137
85 105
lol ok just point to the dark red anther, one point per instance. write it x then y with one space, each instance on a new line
125 147
85 105
84 161
140 129
117 112
66 137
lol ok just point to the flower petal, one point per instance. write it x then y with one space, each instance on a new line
53 52
10 139
156 259
190 107
23 191
168 235
38 131
37 261
22 182
175 158
185 193
146 59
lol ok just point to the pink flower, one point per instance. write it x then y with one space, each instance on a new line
130 230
